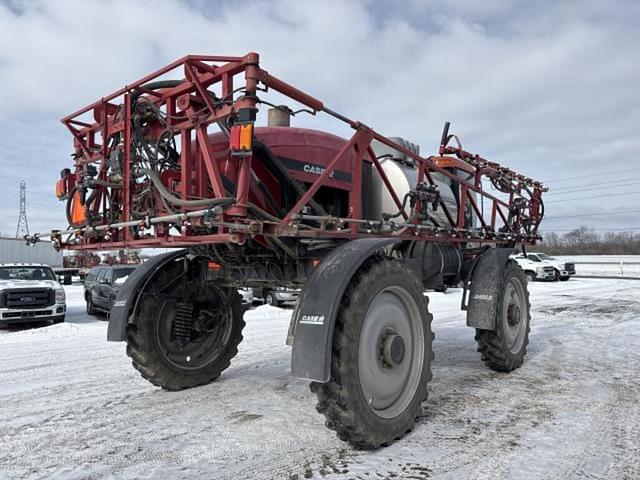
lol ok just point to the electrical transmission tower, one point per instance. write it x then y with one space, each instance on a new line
23 226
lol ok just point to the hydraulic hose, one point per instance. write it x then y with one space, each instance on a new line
283 174
169 197
155 86
106 184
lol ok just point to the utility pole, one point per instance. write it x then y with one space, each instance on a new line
23 226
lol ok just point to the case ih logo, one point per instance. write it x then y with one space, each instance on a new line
312 319
27 299
315 169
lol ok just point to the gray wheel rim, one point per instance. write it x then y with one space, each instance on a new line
388 390
514 315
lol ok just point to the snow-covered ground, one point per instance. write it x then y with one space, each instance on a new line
71 406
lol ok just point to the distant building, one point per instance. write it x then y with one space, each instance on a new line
14 250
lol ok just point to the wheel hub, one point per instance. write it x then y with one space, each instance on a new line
193 333
393 350
513 314
390 351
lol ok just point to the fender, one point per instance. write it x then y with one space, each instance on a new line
314 317
127 298
486 281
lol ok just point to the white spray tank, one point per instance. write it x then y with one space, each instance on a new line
402 172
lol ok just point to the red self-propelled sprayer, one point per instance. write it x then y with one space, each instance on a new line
362 224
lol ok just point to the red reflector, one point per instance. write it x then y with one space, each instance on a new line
241 138
215 266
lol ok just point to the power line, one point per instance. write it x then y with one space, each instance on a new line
607 182
593 196
610 172
580 189
621 229
593 214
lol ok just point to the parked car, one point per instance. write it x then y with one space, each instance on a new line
247 295
540 266
276 296
101 286
30 293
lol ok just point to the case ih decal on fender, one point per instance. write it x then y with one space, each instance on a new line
313 319
480 296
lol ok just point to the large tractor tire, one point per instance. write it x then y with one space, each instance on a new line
186 339
504 348
381 359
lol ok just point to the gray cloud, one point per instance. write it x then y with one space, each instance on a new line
548 88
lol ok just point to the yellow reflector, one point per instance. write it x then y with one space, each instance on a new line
246 136
242 137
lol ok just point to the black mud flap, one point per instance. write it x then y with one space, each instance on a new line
125 302
314 318
486 282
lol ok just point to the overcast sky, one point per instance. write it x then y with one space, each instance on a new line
547 88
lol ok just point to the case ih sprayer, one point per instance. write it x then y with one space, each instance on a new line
363 225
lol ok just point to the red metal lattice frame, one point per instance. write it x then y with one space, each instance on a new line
190 111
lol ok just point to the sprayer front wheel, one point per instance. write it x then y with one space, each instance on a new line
504 348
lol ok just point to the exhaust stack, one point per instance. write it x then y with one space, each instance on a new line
279 116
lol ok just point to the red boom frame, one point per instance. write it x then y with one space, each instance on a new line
190 111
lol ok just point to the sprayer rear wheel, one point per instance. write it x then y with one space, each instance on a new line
381 359
176 355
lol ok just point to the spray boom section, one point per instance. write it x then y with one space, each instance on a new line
177 159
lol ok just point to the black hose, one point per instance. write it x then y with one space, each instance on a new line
169 197
261 213
106 184
283 174
388 216
155 86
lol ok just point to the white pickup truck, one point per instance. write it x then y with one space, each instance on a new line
30 293
540 266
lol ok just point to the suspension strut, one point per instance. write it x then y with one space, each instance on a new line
181 328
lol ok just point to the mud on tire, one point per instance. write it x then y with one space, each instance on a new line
367 423
504 348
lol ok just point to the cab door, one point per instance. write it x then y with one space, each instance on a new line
109 291
101 298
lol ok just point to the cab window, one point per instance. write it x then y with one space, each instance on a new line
104 276
93 274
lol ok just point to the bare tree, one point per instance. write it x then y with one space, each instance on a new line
585 241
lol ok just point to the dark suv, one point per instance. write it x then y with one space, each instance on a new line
101 286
